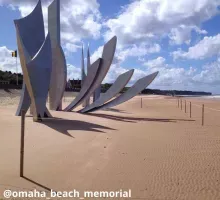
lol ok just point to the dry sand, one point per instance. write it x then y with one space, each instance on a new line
156 151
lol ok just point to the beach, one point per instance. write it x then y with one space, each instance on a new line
152 148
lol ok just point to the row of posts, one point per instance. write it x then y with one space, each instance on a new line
180 105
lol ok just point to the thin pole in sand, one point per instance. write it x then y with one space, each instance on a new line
190 109
203 109
141 103
185 106
17 69
22 143
181 104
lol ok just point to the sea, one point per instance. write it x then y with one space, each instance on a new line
217 97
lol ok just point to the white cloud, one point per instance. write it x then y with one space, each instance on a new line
169 77
122 54
70 47
7 62
79 18
113 73
156 63
208 47
182 34
138 50
210 74
144 19
73 72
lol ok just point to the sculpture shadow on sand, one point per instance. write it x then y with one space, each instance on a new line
65 125
116 110
135 119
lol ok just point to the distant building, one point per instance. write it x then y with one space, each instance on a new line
4 82
73 84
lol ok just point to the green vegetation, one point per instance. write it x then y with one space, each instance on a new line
11 77
174 92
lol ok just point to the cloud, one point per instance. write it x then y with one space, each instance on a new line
73 72
138 50
156 63
70 47
169 76
174 77
210 74
182 34
207 47
142 20
122 54
7 62
79 18
113 73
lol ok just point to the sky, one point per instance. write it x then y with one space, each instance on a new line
180 39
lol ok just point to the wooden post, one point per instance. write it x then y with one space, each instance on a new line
203 109
190 109
141 102
185 106
181 104
22 143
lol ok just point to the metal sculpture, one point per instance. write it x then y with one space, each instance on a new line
106 60
88 82
33 68
59 67
83 74
140 85
28 30
115 89
44 69
88 66
40 66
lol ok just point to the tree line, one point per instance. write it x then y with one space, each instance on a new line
11 78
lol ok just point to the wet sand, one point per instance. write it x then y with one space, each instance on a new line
157 151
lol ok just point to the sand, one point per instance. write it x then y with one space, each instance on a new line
157 151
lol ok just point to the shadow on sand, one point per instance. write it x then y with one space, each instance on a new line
135 119
116 110
65 125
38 184
8 91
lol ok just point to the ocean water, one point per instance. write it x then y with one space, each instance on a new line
217 97
211 97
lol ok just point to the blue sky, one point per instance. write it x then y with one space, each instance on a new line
180 39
